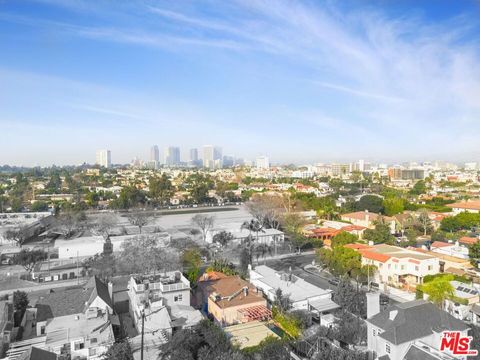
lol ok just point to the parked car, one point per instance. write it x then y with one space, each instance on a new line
334 282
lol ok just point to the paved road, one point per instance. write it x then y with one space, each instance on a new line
45 286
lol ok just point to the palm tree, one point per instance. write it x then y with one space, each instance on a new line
439 290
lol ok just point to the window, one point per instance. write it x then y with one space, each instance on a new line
402 267
178 298
93 340
79 345
374 332
429 267
92 352
416 268
387 348
42 330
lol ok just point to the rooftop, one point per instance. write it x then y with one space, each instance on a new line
233 291
249 334
467 205
414 320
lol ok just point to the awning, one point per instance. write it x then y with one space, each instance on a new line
322 305
257 312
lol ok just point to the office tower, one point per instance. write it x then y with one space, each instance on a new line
193 155
212 156
154 153
104 158
228 161
172 156
262 162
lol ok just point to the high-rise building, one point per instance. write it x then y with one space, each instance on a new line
193 155
262 162
212 157
154 153
172 156
104 158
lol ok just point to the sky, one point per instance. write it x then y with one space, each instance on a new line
298 81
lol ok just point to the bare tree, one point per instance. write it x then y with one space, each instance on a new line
204 222
268 209
68 222
140 218
104 223
424 221
17 235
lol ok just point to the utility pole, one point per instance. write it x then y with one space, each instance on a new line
143 323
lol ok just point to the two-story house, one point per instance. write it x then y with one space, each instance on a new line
367 219
410 330
396 266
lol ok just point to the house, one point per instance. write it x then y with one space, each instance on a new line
410 330
76 321
455 249
35 353
396 266
6 325
471 206
468 241
465 297
163 301
448 263
233 300
266 236
367 219
303 295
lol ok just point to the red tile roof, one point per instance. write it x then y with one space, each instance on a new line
470 205
212 276
468 240
439 244
374 256
356 246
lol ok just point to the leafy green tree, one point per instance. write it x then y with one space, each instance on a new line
474 254
438 290
119 351
393 206
371 203
129 197
462 221
39 206
20 302
272 348
101 265
341 260
343 238
191 261
245 260
223 238
380 234
161 189
419 188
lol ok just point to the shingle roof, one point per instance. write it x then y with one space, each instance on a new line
72 300
35 353
414 320
417 353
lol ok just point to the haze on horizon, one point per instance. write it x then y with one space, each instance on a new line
299 81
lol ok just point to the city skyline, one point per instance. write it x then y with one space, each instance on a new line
299 81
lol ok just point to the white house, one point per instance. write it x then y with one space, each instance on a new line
410 330
304 295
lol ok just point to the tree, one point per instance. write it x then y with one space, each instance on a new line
253 226
18 235
393 206
20 303
68 222
191 261
119 351
29 258
341 260
129 197
39 206
104 223
266 209
438 290
223 238
204 222
474 254
161 189
424 221
245 260
343 238
142 255
380 234
140 218
462 221
223 266
101 265
419 188
372 203
282 302
272 348
292 223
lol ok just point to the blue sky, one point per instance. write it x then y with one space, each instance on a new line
298 81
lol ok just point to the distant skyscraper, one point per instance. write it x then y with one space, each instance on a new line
228 160
262 162
172 156
104 158
193 155
212 156
154 153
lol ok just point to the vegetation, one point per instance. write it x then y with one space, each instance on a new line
119 351
381 234
29 258
462 221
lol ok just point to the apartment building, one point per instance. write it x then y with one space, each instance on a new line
396 266
410 330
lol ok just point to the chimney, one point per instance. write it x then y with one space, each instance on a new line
373 304
110 290
367 216
393 315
